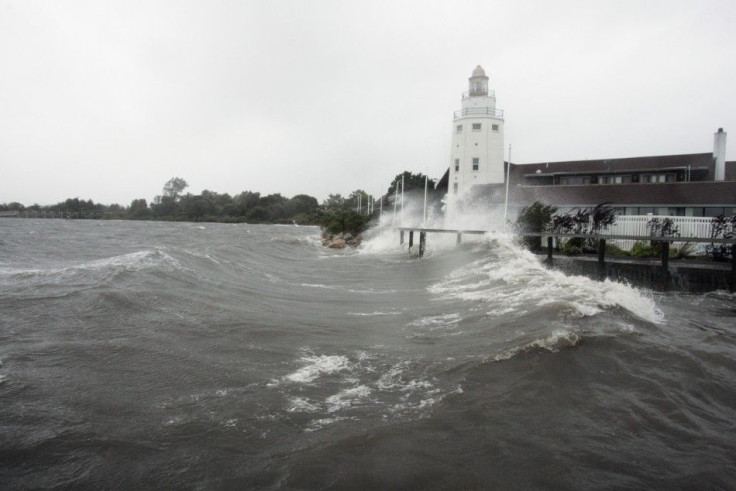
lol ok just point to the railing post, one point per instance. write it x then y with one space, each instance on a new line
602 258
401 237
733 268
422 242
411 238
549 250
459 235
665 264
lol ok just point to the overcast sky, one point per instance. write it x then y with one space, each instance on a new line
107 100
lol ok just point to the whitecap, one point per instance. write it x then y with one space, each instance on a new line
368 314
554 342
318 424
301 405
347 398
317 366
442 320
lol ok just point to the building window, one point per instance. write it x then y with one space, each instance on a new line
454 187
457 165
476 126
613 179
652 178
494 127
574 180
459 128
476 163
712 211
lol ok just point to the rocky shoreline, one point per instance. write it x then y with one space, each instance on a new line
339 241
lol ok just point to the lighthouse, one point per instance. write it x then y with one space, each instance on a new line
476 155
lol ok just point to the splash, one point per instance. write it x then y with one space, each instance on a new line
512 279
383 235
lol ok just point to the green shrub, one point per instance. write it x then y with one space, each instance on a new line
612 250
348 221
642 249
687 250
536 217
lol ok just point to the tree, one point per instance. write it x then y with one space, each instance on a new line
357 197
334 202
243 202
302 204
412 182
139 209
174 187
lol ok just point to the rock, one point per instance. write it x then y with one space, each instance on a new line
337 244
347 237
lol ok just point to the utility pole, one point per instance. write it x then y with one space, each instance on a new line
508 179
426 179
402 200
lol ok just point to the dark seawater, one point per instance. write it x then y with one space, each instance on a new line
177 355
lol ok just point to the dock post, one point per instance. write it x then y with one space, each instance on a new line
665 264
411 238
459 239
549 250
401 237
602 258
733 268
422 242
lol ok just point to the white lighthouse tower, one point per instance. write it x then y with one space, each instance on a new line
476 156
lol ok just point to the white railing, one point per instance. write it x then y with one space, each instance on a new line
688 227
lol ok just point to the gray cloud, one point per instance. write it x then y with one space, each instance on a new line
108 100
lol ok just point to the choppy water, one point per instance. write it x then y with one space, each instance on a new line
206 356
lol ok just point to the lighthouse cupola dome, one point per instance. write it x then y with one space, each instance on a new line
478 82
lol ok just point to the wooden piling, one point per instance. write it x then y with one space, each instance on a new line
665 264
733 268
401 237
459 238
549 250
411 238
602 258
422 242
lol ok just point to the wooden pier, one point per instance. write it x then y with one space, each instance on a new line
424 231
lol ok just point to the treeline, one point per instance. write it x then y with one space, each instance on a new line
338 213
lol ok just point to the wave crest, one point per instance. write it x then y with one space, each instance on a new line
512 279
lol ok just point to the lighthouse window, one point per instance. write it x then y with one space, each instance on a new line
476 163
494 127
459 128
457 165
454 187
476 126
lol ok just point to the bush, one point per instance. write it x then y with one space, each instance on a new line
341 221
642 249
721 227
536 217
612 250
687 250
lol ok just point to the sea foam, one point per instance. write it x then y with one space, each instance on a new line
510 279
